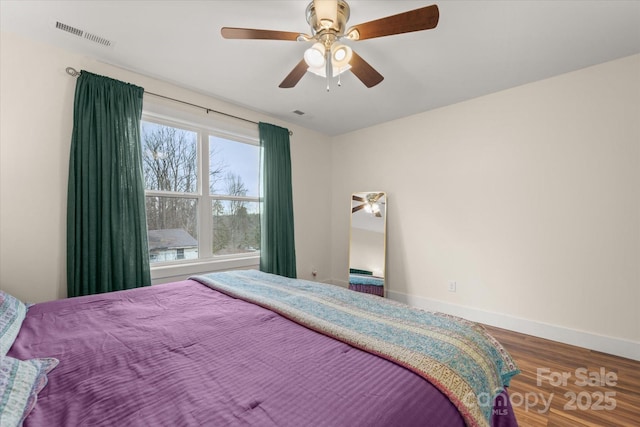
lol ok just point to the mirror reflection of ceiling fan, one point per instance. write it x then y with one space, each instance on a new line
370 203
328 56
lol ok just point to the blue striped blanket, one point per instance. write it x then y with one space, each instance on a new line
359 279
459 357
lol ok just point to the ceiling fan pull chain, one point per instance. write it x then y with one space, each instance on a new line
339 82
328 66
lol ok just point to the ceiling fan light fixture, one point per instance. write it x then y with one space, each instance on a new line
314 56
372 208
327 21
322 71
340 55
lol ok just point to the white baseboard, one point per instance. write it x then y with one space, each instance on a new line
616 346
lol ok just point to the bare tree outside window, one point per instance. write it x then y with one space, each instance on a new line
170 165
170 159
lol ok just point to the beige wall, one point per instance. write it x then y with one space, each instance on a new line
528 198
36 115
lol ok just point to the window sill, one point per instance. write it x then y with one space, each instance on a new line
174 272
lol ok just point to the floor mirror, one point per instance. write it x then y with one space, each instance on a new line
367 242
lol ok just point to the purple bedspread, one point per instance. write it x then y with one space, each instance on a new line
182 354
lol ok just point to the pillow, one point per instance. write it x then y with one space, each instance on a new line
12 313
20 383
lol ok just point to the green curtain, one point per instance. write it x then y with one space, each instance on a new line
107 248
277 247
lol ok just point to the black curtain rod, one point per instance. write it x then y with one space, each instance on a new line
73 72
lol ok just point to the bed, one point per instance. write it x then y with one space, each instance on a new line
245 348
365 281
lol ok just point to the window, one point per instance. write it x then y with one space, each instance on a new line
202 192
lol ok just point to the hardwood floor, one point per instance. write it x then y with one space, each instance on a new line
562 385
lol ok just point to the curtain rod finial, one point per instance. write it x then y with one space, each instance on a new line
72 71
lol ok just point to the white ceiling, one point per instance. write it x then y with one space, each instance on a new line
479 47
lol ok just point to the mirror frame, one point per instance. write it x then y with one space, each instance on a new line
369 278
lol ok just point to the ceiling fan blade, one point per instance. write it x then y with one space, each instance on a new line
253 34
424 18
365 72
358 198
295 75
357 208
377 196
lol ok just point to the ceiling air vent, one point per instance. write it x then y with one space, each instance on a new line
69 29
97 39
298 112
81 33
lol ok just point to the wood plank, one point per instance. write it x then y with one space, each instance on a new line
582 387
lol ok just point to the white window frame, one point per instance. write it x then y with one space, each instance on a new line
206 262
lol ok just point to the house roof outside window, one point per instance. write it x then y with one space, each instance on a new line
173 238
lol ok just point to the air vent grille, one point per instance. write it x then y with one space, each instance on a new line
97 39
298 112
69 29
81 33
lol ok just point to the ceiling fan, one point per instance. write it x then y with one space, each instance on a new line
328 56
370 203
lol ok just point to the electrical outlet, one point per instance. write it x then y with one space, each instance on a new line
452 286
